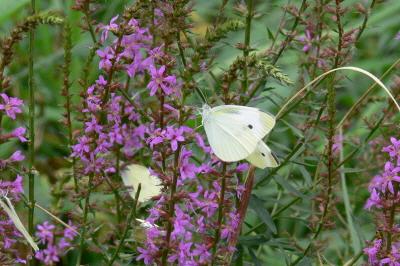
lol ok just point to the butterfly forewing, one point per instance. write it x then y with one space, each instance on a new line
257 120
229 142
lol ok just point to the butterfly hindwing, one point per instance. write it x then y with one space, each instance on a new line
263 156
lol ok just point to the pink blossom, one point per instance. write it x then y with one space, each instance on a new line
8 107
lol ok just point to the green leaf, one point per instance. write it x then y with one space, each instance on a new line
270 35
296 131
306 174
359 230
278 179
352 170
253 240
278 144
298 152
254 257
329 261
257 205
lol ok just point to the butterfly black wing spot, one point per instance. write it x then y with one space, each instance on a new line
250 126
263 154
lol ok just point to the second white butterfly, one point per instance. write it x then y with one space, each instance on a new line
135 174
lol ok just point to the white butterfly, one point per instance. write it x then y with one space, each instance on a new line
9 209
135 174
235 132
139 233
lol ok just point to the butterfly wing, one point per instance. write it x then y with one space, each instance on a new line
259 121
233 131
9 209
135 174
263 156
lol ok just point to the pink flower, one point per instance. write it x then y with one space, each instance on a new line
174 136
390 175
45 232
112 26
16 157
308 41
203 252
9 103
105 57
159 81
394 150
52 253
19 133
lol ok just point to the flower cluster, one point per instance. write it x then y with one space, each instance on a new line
195 214
119 132
51 254
385 194
195 224
8 231
10 106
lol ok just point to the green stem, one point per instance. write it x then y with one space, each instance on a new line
121 241
247 43
289 36
364 25
279 28
31 88
84 222
88 18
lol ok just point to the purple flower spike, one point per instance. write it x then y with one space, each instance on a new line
308 42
